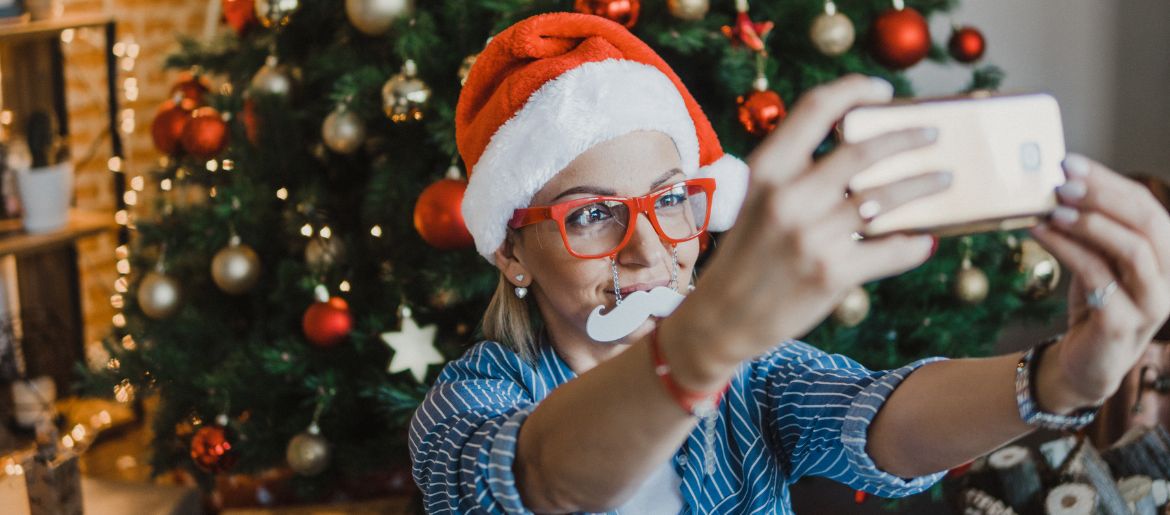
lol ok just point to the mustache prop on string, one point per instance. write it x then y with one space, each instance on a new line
628 316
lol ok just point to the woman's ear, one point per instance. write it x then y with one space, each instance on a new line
508 261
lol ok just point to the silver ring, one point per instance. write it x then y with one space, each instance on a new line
1097 298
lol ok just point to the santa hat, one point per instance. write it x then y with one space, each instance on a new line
550 87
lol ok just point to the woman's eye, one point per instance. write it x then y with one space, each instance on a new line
673 198
588 215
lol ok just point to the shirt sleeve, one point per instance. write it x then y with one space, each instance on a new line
819 409
463 436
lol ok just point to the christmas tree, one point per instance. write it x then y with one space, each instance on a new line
304 270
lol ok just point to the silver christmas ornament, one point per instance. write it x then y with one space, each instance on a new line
374 17
343 131
690 10
235 268
159 295
405 95
308 453
832 32
275 13
273 78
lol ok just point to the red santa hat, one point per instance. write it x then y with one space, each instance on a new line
552 86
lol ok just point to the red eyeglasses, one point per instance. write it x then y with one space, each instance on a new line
596 227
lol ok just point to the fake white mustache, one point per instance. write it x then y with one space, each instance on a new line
628 316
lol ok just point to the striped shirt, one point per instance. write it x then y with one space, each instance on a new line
793 412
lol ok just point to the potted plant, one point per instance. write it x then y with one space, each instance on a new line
46 184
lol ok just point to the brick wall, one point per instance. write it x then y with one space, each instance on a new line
153 25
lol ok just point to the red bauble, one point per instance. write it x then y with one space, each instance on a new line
438 215
251 121
239 14
206 134
624 12
761 111
901 38
169 122
967 44
212 449
327 323
191 86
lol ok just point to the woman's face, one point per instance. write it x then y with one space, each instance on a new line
566 288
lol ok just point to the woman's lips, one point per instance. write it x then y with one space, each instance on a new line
641 287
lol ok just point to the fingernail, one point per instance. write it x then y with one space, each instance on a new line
933 245
882 86
1065 215
1072 190
1076 165
945 177
930 133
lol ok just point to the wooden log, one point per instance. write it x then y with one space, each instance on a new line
1019 479
1141 451
978 502
1138 493
1086 466
1071 499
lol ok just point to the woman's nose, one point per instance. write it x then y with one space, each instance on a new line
645 246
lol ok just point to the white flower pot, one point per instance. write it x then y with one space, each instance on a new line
45 194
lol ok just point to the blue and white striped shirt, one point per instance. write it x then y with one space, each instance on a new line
793 412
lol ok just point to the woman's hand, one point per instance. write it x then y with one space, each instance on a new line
1115 238
791 256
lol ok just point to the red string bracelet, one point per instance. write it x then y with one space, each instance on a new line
698 404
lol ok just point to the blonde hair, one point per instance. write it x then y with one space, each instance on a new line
512 321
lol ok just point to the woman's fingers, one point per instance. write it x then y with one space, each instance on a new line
1133 260
788 151
878 258
1092 186
848 216
1093 270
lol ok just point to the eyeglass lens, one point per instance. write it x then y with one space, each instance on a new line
600 227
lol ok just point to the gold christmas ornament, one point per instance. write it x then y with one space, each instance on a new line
689 10
308 453
971 284
273 78
832 32
853 309
405 96
343 131
322 253
159 295
1040 269
465 68
235 268
275 13
374 17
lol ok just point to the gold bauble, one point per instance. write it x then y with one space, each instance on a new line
405 96
235 268
465 68
853 308
322 253
159 295
1040 269
275 13
308 452
971 284
690 10
374 17
832 34
273 78
343 131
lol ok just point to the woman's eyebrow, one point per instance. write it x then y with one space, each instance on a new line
594 190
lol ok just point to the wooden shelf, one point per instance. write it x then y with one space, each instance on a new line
13 239
28 29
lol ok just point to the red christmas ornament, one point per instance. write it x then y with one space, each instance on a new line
327 323
901 38
251 121
191 86
212 449
438 215
967 44
206 134
859 496
624 12
761 111
239 14
747 32
169 122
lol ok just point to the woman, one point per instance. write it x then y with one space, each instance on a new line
592 171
